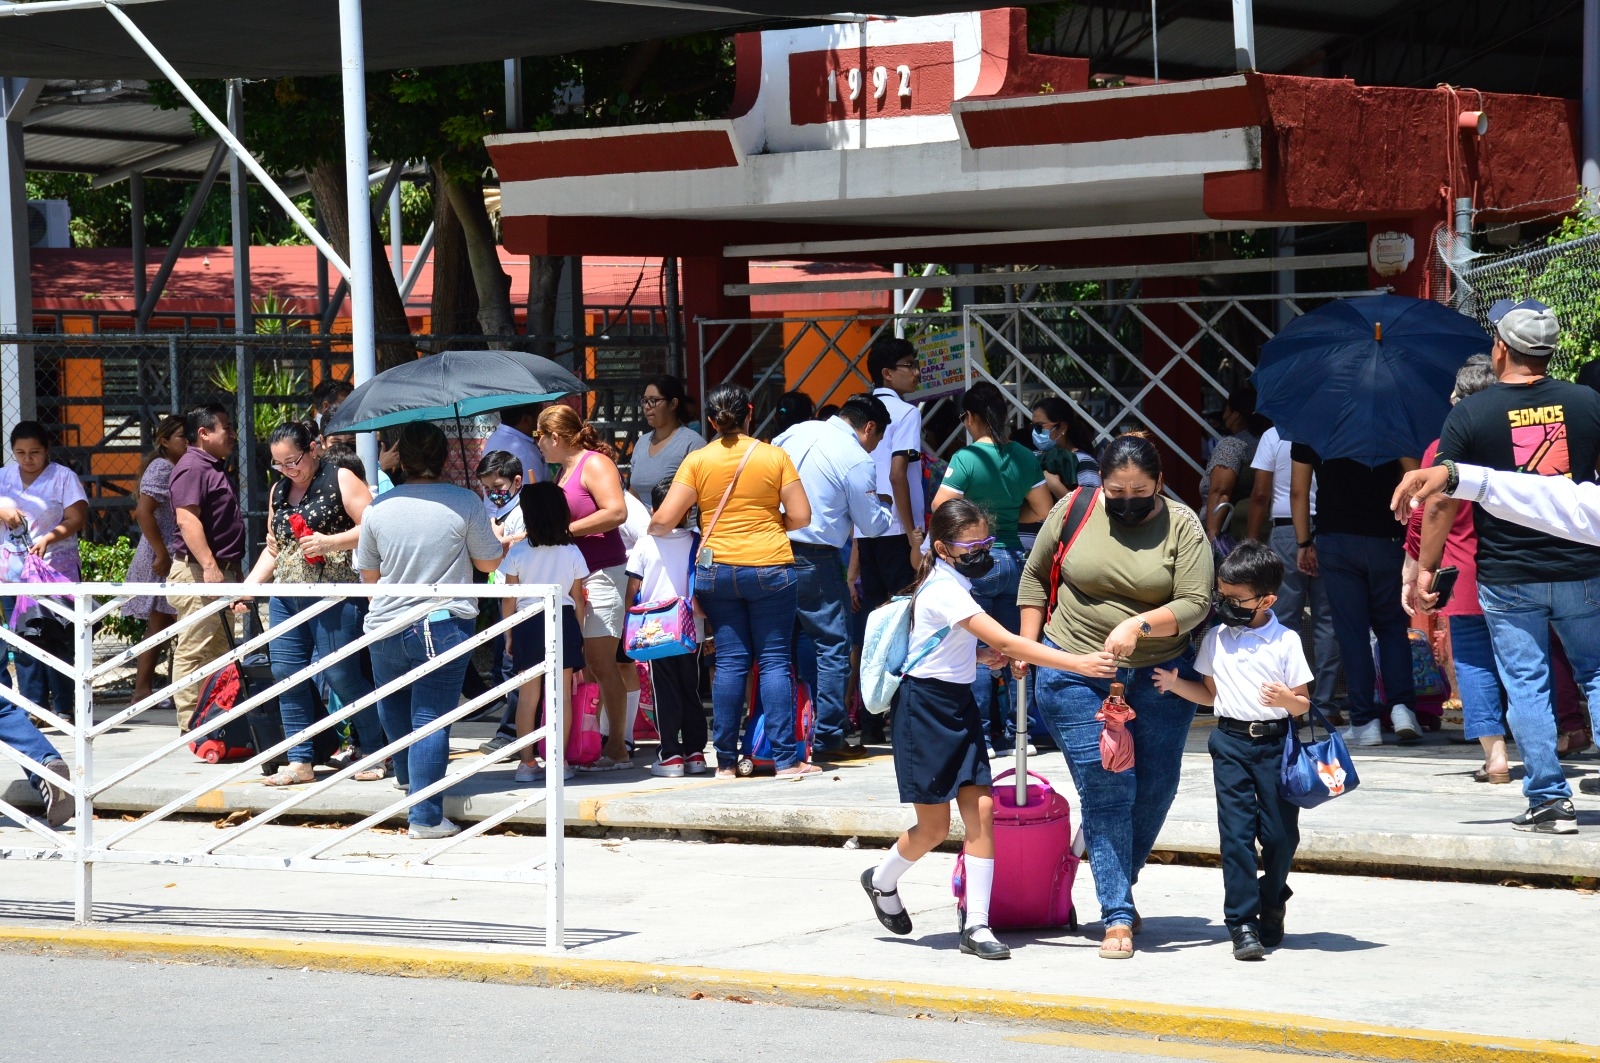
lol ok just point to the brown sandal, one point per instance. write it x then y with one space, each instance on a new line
1115 936
1497 777
289 777
1574 741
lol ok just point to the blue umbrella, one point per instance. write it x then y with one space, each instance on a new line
1367 379
454 384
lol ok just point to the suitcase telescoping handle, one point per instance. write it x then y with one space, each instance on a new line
1022 741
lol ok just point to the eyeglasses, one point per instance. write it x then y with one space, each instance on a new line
290 466
905 365
651 403
1239 603
981 544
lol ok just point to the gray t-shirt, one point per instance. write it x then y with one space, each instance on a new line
647 470
424 533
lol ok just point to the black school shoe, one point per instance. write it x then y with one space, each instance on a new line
1556 816
1247 943
896 922
1272 922
984 950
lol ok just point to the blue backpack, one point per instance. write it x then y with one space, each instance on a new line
885 650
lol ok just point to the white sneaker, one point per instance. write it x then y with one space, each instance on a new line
530 773
1365 734
1405 723
444 829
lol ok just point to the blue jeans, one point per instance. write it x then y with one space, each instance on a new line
43 685
1520 617
420 703
1122 811
1362 574
1483 699
319 637
751 610
18 732
1297 591
823 610
996 594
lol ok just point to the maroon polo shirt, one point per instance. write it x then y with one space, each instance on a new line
200 480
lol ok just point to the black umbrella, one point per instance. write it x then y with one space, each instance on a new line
451 385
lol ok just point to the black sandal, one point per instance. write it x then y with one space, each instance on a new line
895 922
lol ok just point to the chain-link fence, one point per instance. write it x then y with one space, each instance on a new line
1564 276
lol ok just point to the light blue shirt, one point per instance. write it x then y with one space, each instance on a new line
841 481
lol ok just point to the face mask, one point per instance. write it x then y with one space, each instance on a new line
1042 439
500 498
974 565
1234 615
1131 510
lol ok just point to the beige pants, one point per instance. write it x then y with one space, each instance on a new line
200 644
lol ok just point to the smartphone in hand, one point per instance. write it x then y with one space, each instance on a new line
1444 585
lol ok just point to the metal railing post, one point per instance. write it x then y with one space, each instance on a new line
83 751
555 762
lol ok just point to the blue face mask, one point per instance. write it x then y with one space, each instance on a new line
499 498
1042 439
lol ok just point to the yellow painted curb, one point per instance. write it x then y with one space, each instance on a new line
1242 1029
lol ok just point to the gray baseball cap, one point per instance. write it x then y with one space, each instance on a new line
1528 327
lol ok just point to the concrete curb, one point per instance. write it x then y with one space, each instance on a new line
1235 1028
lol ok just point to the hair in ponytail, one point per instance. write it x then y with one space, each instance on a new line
564 423
946 526
728 409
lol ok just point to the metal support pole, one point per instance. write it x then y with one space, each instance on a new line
580 323
898 301
18 385
516 116
83 752
397 235
243 360
141 272
414 270
676 360
322 278
555 827
185 227
1591 100
172 376
1155 44
363 318
1244 35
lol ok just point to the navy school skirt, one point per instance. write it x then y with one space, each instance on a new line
939 743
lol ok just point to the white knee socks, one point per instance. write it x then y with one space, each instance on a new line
980 886
887 877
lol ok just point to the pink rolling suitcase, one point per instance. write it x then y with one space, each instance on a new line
1034 862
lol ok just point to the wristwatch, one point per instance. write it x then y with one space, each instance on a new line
1452 479
1308 544
1144 628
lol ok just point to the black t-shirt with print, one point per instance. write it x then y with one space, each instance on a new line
1548 427
1352 498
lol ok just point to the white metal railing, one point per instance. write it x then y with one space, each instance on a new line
81 605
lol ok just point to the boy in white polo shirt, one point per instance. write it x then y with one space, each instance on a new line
1256 675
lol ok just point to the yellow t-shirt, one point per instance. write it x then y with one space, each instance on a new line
751 529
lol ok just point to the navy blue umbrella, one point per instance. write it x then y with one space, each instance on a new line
1367 379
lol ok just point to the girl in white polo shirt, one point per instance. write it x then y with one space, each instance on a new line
1257 677
940 754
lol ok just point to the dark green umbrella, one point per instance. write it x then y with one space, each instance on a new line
452 385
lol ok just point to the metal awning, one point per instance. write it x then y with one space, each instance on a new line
280 38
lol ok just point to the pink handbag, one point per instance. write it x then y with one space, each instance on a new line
583 741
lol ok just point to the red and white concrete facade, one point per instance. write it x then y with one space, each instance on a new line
945 125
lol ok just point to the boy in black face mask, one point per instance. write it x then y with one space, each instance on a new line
1256 675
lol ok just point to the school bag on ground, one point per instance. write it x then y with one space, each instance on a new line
265 721
1035 864
584 743
755 748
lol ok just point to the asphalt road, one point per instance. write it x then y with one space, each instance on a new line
68 1009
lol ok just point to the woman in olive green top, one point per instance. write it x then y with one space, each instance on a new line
1004 479
1136 582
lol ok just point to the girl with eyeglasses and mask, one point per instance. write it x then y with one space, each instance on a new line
1135 582
940 752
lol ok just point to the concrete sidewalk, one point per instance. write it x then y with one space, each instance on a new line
1366 965
1417 806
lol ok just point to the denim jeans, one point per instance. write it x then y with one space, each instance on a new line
823 610
751 610
420 702
18 732
1297 590
1483 699
1520 617
1122 812
37 681
321 636
1362 574
996 594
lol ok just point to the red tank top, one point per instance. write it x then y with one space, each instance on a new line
604 550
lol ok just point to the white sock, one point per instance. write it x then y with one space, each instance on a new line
633 713
980 886
887 877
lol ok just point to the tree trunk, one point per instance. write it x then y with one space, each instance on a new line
455 300
483 251
328 190
544 285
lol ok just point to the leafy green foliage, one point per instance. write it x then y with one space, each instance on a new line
108 563
276 390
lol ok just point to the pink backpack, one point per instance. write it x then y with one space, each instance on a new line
1034 865
583 741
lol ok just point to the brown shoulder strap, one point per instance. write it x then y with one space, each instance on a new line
727 494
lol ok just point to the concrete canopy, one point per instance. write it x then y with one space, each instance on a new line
284 38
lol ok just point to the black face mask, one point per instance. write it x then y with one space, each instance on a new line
1234 615
975 565
1131 510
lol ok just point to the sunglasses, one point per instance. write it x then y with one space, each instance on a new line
981 544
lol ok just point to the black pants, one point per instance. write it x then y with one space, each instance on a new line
680 714
885 569
1249 809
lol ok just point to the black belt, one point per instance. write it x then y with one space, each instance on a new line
1282 522
812 548
1253 728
